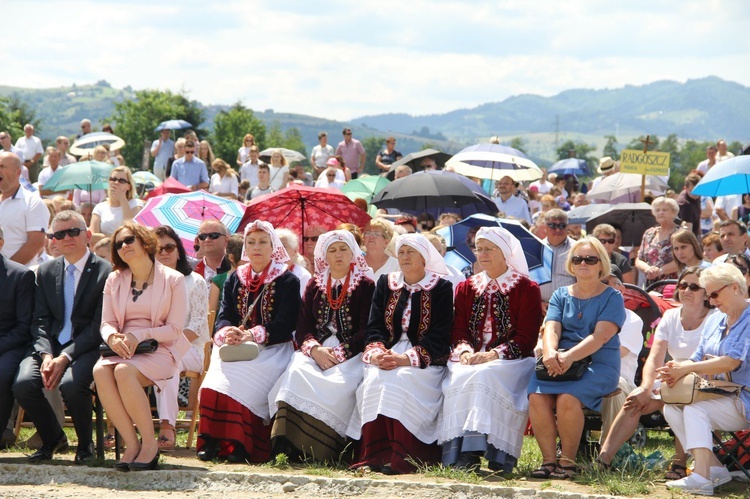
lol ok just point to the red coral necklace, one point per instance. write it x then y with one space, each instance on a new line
336 304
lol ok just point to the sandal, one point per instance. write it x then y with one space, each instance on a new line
109 441
165 443
545 471
676 472
565 472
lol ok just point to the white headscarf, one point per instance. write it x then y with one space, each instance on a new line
279 256
433 261
359 268
508 244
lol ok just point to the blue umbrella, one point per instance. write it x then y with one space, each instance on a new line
731 176
172 125
538 255
570 166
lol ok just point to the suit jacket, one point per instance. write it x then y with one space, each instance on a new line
49 307
168 308
16 305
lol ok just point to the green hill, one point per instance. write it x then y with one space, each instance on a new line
702 109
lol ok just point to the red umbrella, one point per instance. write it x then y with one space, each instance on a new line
169 186
298 206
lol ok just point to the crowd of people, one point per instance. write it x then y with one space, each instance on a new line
361 342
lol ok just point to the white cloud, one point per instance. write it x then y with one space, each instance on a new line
343 59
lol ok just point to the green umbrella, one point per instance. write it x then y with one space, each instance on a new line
86 175
365 187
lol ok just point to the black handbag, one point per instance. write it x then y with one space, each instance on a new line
145 346
575 372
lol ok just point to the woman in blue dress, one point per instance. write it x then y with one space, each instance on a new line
583 320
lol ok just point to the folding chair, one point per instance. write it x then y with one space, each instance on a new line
731 451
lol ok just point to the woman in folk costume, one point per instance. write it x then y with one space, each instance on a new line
407 346
315 396
498 314
260 306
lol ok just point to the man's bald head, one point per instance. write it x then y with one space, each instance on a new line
10 159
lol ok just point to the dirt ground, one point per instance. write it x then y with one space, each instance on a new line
183 476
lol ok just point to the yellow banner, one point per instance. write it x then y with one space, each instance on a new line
650 163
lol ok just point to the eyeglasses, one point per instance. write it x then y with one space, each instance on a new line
607 241
60 234
715 294
127 240
169 248
371 233
557 226
348 133
331 176
119 180
692 287
190 152
310 238
589 260
3 137
212 235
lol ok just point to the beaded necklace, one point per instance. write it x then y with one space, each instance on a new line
255 283
336 303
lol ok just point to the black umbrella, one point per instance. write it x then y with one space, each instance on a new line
414 160
422 191
631 218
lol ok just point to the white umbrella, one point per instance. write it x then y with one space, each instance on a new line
626 186
88 142
493 162
289 154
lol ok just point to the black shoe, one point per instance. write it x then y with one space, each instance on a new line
46 453
84 454
387 470
468 461
120 466
152 465
210 451
8 439
238 456
494 466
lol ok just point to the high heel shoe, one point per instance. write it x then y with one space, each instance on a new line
154 464
120 466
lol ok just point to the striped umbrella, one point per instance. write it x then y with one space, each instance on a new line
185 212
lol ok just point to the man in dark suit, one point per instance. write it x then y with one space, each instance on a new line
65 328
16 299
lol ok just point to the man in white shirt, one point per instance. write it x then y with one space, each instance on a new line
723 154
557 239
53 157
161 150
23 215
264 183
725 205
320 154
542 186
631 343
710 160
512 206
733 237
31 147
249 170
606 168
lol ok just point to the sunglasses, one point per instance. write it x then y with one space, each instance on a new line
715 294
210 235
127 240
190 152
119 180
310 238
60 234
607 241
692 287
169 248
589 260
557 226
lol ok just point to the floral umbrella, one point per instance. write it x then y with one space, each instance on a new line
299 206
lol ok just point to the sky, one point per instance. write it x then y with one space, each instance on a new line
346 59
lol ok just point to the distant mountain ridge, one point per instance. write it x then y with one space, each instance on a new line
702 109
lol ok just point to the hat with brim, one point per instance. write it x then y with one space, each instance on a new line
606 165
